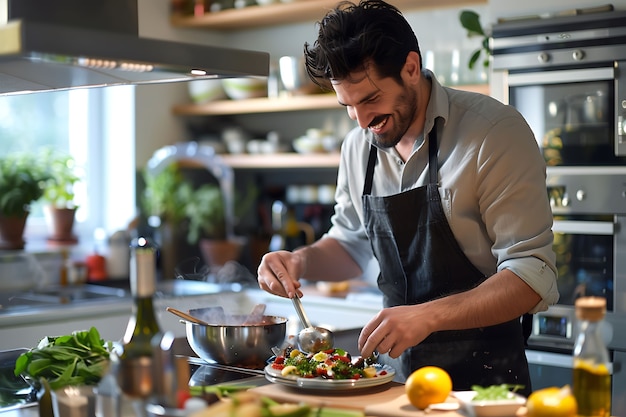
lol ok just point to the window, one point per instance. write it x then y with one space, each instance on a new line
96 126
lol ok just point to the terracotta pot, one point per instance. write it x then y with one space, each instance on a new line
61 224
219 252
12 231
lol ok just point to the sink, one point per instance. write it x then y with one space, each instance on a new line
51 296
182 288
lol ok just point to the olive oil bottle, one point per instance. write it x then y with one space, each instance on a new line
135 373
592 377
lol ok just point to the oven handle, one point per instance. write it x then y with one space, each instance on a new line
583 227
535 357
561 77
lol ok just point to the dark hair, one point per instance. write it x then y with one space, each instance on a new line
351 36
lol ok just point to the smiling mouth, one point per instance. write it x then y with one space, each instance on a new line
378 124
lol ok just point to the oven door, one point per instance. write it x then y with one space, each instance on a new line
571 113
585 259
548 369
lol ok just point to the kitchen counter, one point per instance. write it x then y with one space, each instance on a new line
24 327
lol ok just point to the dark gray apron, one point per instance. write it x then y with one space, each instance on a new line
420 260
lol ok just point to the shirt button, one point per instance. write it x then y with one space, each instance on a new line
400 162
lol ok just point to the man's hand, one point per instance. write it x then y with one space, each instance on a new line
502 297
393 330
279 273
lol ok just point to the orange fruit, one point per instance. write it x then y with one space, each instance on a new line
552 402
428 385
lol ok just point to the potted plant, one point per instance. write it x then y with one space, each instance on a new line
207 224
22 180
59 194
197 211
470 21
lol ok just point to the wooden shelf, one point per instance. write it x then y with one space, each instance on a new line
277 105
260 105
294 11
274 161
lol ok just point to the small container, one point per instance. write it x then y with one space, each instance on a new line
96 267
118 259
79 401
592 369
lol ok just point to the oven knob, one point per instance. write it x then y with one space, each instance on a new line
543 57
580 195
578 55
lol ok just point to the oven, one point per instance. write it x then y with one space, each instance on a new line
567 76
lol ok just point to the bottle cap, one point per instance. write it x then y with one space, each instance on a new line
590 308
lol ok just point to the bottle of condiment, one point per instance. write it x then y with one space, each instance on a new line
135 360
592 378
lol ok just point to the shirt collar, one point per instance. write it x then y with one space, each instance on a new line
438 105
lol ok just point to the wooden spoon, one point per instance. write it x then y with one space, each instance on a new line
186 316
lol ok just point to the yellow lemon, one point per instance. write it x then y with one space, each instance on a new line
428 385
552 402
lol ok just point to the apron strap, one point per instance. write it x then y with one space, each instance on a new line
369 172
433 164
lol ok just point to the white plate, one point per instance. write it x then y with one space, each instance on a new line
384 375
491 408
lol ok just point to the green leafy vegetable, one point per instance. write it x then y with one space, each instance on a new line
221 390
495 392
81 358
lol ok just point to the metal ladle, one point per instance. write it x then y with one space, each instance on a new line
311 339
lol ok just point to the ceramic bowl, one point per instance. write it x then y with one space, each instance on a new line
490 408
203 91
244 88
305 144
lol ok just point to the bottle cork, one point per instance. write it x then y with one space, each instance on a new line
590 308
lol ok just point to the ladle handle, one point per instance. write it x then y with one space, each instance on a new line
300 310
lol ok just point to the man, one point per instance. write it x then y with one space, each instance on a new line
446 189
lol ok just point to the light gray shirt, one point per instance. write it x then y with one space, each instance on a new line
492 184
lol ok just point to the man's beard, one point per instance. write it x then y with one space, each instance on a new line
407 109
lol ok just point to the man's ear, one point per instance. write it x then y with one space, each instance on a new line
412 65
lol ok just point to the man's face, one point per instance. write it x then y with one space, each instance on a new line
381 105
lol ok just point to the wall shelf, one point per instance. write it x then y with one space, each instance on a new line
275 161
291 12
277 105
260 105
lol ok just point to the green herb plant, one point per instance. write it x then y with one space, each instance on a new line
495 392
64 174
470 20
22 180
173 198
80 358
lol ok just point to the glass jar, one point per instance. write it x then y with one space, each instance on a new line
592 377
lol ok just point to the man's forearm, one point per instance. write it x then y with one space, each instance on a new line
327 260
500 298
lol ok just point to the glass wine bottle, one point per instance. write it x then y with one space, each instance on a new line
135 373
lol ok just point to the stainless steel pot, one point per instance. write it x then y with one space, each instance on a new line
246 346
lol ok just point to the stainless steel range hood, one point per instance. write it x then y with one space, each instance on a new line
49 45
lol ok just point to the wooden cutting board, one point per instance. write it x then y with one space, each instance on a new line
387 400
